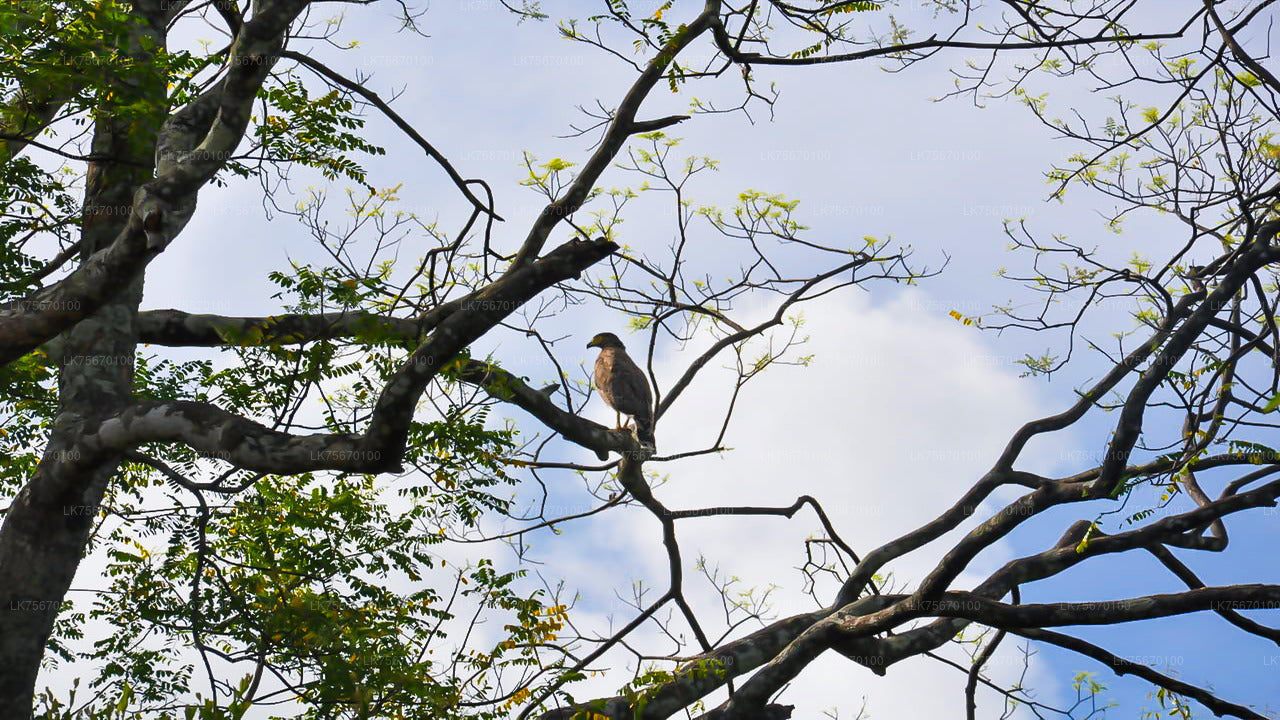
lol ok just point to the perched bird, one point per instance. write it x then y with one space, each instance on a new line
623 386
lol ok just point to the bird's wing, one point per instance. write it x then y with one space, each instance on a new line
631 387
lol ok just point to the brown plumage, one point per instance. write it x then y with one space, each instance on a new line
622 385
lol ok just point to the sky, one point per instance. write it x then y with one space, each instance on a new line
902 408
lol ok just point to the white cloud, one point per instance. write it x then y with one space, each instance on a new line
901 410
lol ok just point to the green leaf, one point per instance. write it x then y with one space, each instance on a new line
1272 404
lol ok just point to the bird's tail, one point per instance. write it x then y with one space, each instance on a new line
644 430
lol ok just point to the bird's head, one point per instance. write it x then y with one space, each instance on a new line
605 340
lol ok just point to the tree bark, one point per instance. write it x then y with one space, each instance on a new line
47 527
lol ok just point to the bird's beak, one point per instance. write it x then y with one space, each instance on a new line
593 343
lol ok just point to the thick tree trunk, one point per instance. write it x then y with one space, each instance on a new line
48 525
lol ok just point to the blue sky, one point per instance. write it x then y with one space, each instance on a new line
903 408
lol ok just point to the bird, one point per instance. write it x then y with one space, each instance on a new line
623 386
